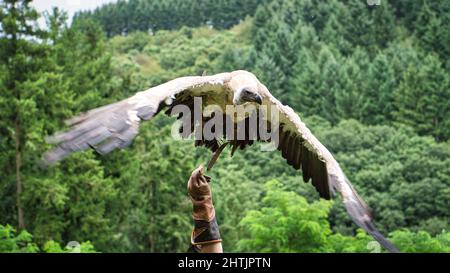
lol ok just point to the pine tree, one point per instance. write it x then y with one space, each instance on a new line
422 99
331 72
334 33
383 24
42 74
378 91
306 83
21 59
267 70
348 97
431 29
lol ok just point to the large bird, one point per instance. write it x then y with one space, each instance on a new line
114 126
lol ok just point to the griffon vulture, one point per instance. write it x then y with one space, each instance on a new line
114 126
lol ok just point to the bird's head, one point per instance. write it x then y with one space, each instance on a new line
245 87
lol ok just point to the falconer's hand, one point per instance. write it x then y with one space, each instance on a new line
206 231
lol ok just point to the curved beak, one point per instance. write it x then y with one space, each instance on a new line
258 99
255 98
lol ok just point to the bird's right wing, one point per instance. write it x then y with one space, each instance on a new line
115 125
303 150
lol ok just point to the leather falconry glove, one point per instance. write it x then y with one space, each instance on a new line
206 230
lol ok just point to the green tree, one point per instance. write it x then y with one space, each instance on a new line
431 28
22 60
41 89
11 241
378 91
422 99
402 176
288 223
385 66
421 241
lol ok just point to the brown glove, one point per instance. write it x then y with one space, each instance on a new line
206 230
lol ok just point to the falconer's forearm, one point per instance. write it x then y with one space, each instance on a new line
205 236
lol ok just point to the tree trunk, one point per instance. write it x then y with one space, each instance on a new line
20 214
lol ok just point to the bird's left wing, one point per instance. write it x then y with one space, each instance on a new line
303 150
115 125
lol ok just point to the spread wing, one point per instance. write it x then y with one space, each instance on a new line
303 150
115 125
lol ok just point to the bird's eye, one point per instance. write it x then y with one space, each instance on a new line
246 91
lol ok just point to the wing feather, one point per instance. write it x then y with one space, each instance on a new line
115 125
319 165
297 153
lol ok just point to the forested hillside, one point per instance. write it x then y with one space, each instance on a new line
372 83
141 15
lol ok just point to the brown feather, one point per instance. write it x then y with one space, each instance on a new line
298 153
291 150
284 144
306 164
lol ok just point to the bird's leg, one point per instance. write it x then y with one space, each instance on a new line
216 155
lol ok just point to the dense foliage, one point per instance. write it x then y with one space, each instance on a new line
150 16
304 227
11 241
372 82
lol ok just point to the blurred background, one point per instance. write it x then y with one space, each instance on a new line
370 78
